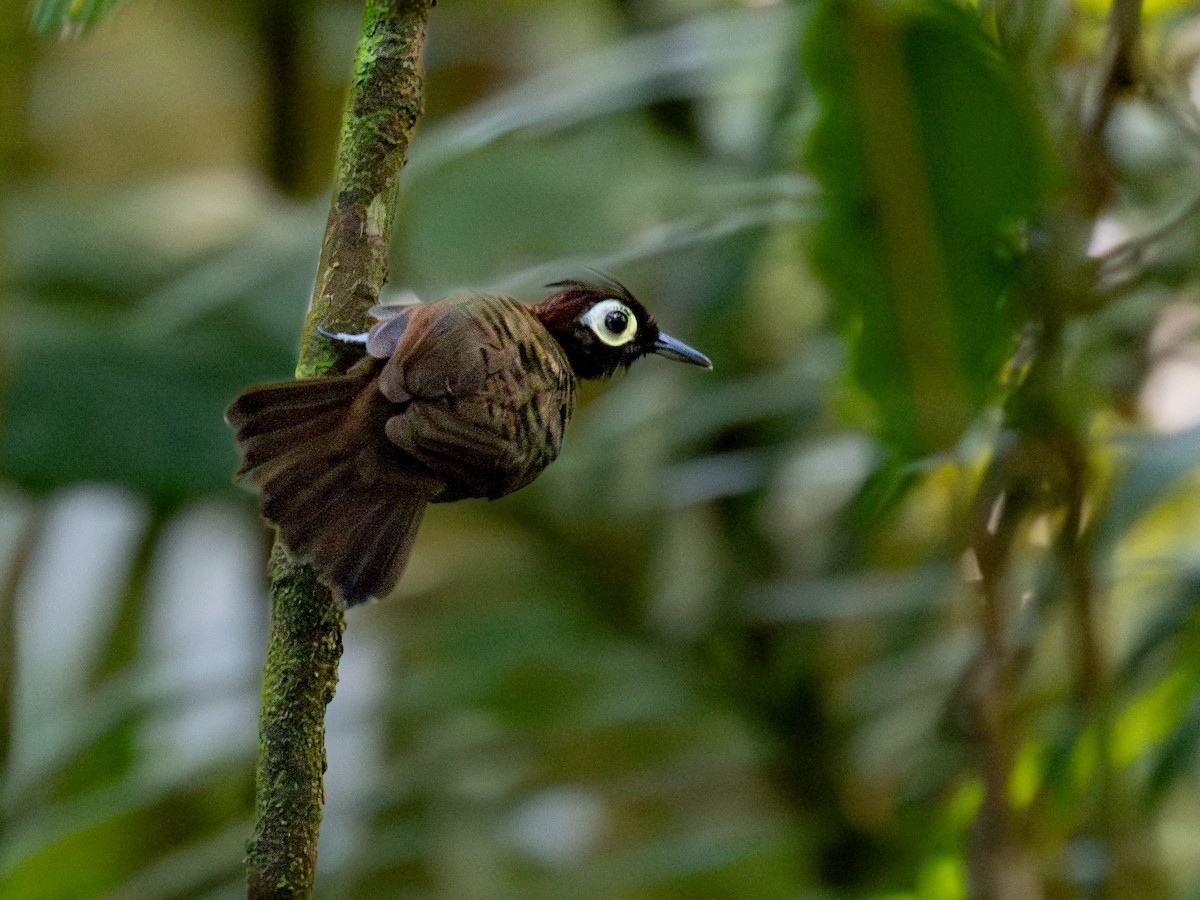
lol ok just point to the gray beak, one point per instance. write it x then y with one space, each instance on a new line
672 349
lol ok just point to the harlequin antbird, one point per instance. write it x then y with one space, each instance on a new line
456 398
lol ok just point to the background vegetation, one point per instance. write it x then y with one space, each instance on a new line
901 601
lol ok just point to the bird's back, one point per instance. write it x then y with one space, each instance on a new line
491 391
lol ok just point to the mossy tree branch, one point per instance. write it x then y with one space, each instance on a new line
305 640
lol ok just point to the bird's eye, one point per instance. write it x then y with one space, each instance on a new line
612 322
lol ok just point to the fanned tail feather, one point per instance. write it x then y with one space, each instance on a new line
376 564
342 497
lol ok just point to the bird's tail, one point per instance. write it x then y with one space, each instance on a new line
331 482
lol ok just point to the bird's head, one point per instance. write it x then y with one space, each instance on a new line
603 328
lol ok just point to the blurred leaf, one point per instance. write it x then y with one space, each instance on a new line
1030 34
1151 716
1166 625
508 217
516 688
1157 464
143 415
929 160
694 59
127 347
872 593
70 16
208 866
1152 7
1177 755
42 862
792 203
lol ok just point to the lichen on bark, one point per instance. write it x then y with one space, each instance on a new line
305 639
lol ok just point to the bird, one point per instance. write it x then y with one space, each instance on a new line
466 396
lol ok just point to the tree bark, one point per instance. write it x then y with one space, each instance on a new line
305 640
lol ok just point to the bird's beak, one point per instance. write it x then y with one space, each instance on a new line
672 349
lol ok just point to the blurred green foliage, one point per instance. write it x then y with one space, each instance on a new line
63 15
922 176
898 602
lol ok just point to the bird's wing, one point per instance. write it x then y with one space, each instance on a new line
448 348
482 395
387 332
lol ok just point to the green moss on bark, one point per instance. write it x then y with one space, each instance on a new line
299 678
385 103
305 641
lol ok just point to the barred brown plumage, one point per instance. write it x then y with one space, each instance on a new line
457 398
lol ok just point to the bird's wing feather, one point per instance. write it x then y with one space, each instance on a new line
447 348
339 493
386 334
496 438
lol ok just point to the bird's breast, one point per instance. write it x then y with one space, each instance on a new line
526 403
